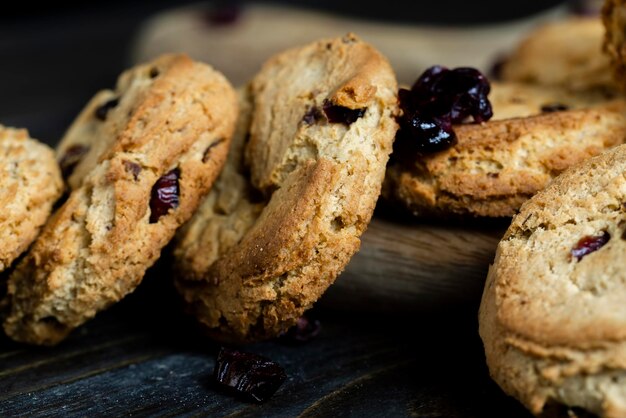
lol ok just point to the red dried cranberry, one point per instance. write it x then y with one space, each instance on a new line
312 115
589 244
71 158
132 168
553 107
103 110
305 330
430 134
164 195
250 376
341 114
439 98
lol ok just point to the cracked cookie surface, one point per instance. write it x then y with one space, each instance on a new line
321 130
152 149
552 317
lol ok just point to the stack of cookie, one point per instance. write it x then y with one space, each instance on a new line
137 162
311 138
265 193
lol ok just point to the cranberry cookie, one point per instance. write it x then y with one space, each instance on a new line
565 53
149 152
552 317
497 165
30 183
321 130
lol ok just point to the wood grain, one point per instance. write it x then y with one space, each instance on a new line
413 265
157 364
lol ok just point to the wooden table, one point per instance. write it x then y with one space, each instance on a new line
375 356
142 357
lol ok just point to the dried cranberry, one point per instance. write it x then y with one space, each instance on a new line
71 158
439 98
341 114
553 107
312 115
103 110
164 195
589 244
223 15
132 168
249 375
305 330
431 134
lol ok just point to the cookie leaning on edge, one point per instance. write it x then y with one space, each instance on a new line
552 317
499 164
30 183
321 132
164 132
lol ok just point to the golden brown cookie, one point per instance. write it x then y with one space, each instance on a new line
552 317
510 99
155 146
30 183
614 19
499 164
565 53
321 129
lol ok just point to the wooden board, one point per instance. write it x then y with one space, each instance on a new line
408 265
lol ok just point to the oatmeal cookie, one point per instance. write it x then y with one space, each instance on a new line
552 317
321 130
153 148
30 183
497 165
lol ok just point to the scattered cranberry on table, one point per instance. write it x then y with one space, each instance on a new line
248 375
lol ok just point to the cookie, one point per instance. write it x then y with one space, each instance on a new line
154 147
497 165
566 53
614 19
287 213
510 99
30 183
552 316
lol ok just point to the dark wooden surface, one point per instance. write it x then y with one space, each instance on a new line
143 357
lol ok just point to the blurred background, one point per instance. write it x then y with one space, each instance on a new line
58 54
